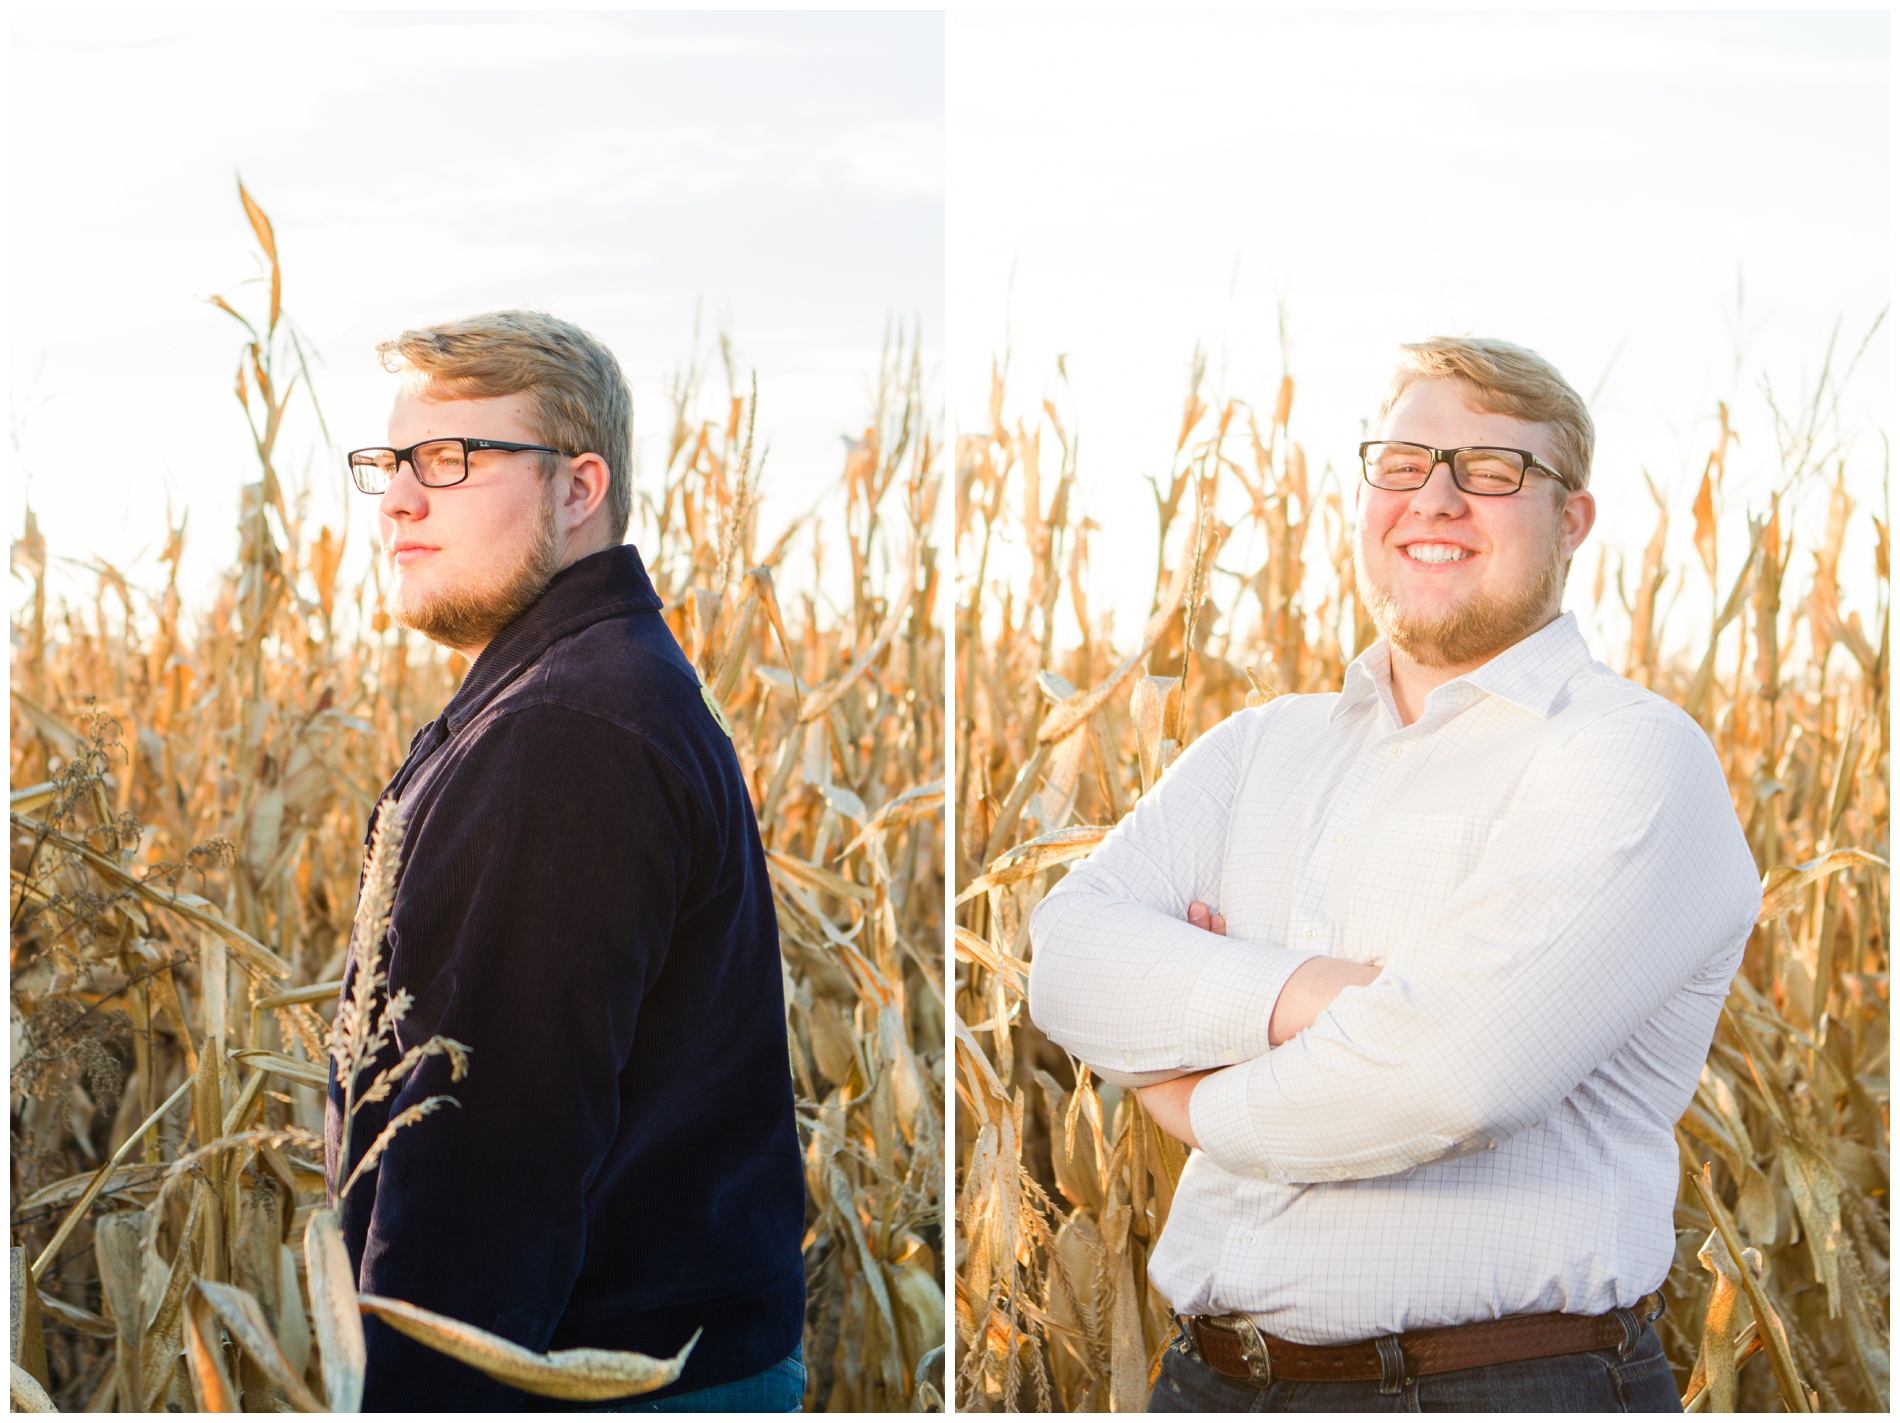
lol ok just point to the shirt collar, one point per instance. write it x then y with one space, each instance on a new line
608 584
1368 680
1531 673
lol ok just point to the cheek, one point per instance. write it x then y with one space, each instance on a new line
1528 542
498 531
1374 523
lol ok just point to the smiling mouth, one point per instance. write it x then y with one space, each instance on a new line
1436 553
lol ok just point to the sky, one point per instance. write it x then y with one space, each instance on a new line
1673 207
646 175
1641 197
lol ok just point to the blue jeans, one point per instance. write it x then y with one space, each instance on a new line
780 1389
1605 1381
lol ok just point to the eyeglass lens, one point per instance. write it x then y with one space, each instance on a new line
436 463
1394 465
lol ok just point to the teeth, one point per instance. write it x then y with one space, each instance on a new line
1437 553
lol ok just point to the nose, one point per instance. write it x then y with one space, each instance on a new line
1438 496
406 497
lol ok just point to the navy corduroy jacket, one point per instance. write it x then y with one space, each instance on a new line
583 901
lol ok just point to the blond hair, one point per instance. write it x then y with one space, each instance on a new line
578 399
1505 379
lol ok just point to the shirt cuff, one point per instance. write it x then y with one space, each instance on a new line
1230 1005
1228 1126
1223 1126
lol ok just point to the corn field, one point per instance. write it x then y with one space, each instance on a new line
189 787
1064 1184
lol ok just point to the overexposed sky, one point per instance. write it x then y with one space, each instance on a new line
1595 186
779 175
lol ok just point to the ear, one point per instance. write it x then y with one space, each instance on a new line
1579 516
580 490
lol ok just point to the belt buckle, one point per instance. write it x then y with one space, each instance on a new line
1253 1349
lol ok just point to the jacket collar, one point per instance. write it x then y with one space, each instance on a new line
1530 674
608 584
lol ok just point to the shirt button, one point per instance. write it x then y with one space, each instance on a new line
1345 837
1395 751
1311 932
1247 1239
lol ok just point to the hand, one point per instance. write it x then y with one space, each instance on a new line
1202 918
1167 1102
1310 990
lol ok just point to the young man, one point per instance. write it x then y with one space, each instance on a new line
1481 909
583 902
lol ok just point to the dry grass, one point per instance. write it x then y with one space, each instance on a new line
1064 1186
189 791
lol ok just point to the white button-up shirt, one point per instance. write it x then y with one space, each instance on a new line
1548 868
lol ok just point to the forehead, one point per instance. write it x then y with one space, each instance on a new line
1441 413
498 417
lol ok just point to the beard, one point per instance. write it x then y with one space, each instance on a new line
466 618
1475 631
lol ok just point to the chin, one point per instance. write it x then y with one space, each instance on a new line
463 612
1468 633
1436 626
465 618
406 592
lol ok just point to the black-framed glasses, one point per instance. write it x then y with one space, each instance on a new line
1476 469
437 463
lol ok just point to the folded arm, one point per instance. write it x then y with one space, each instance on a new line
1620 876
1119 976
1309 991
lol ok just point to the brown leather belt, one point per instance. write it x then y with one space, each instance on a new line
1233 1345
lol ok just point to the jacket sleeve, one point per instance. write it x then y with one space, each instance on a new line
1619 880
1118 976
535 908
